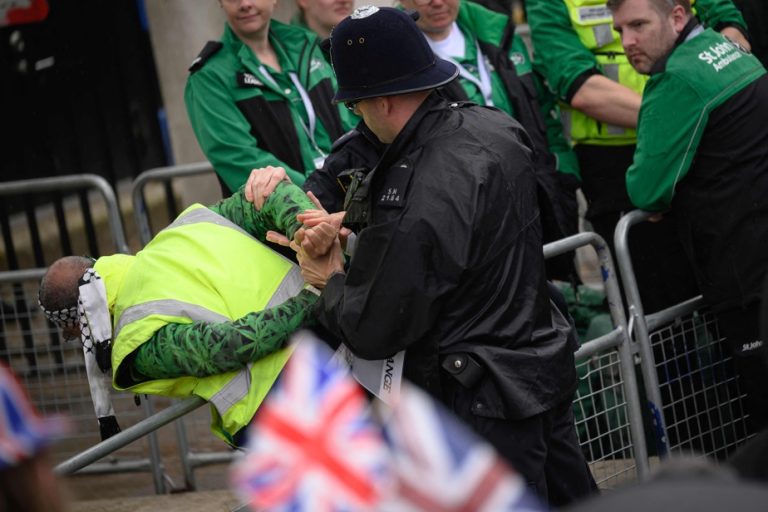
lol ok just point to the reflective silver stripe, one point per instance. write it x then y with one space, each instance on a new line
603 34
291 285
206 215
168 307
612 72
233 391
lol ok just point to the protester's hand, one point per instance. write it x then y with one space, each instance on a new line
281 239
262 182
317 240
317 271
312 218
735 35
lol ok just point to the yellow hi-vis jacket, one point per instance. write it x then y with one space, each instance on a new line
200 268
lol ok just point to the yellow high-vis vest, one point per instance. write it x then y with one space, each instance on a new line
203 268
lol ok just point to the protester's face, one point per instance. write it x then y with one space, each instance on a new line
435 16
323 15
646 34
248 18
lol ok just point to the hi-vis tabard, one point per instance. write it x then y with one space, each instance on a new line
204 268
593 23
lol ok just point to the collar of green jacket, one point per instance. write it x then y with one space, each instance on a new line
288 41
486 25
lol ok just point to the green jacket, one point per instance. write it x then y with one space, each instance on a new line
490 28
205 309
565 60
700 75
247 116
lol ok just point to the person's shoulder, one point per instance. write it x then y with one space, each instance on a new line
481 22
292 35
210 49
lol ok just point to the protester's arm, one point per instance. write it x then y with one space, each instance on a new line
201 349
667 139
224 134
278 213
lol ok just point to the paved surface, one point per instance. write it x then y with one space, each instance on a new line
204 501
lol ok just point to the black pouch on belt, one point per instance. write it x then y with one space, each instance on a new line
464 368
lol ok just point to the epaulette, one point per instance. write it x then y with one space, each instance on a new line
210 48
351 134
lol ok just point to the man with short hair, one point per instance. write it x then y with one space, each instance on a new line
702 150
448 263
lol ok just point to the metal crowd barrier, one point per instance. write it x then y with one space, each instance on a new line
691 384
54 372
164 175
615 443
609 419
192 454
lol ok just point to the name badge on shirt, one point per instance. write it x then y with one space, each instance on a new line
319 162
248 80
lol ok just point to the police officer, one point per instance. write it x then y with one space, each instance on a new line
262 96
448 263
702 149
583 61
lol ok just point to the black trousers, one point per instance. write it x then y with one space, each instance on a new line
741 327
544 448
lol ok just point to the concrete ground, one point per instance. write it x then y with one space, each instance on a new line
202 501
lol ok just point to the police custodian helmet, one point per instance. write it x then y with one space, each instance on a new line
379 51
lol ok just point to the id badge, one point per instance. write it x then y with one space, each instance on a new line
319 162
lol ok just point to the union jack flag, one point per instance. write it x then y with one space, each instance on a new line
313 444
441 466
22 431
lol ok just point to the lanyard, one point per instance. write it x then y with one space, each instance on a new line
311 116
484 83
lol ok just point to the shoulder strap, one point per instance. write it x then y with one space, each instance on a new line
210 49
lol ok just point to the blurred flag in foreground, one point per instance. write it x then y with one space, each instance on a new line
441 465
315 445
23 432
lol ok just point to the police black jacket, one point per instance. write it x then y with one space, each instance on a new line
449 260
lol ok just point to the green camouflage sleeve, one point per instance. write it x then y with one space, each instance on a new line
278 214
202 348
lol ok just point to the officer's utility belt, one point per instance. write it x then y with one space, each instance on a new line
464 368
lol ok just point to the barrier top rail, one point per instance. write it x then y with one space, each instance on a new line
75 182
159 174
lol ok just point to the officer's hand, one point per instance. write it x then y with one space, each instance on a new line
317 271
311 218
262 182
735 35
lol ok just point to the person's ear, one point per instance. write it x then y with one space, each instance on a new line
679 18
